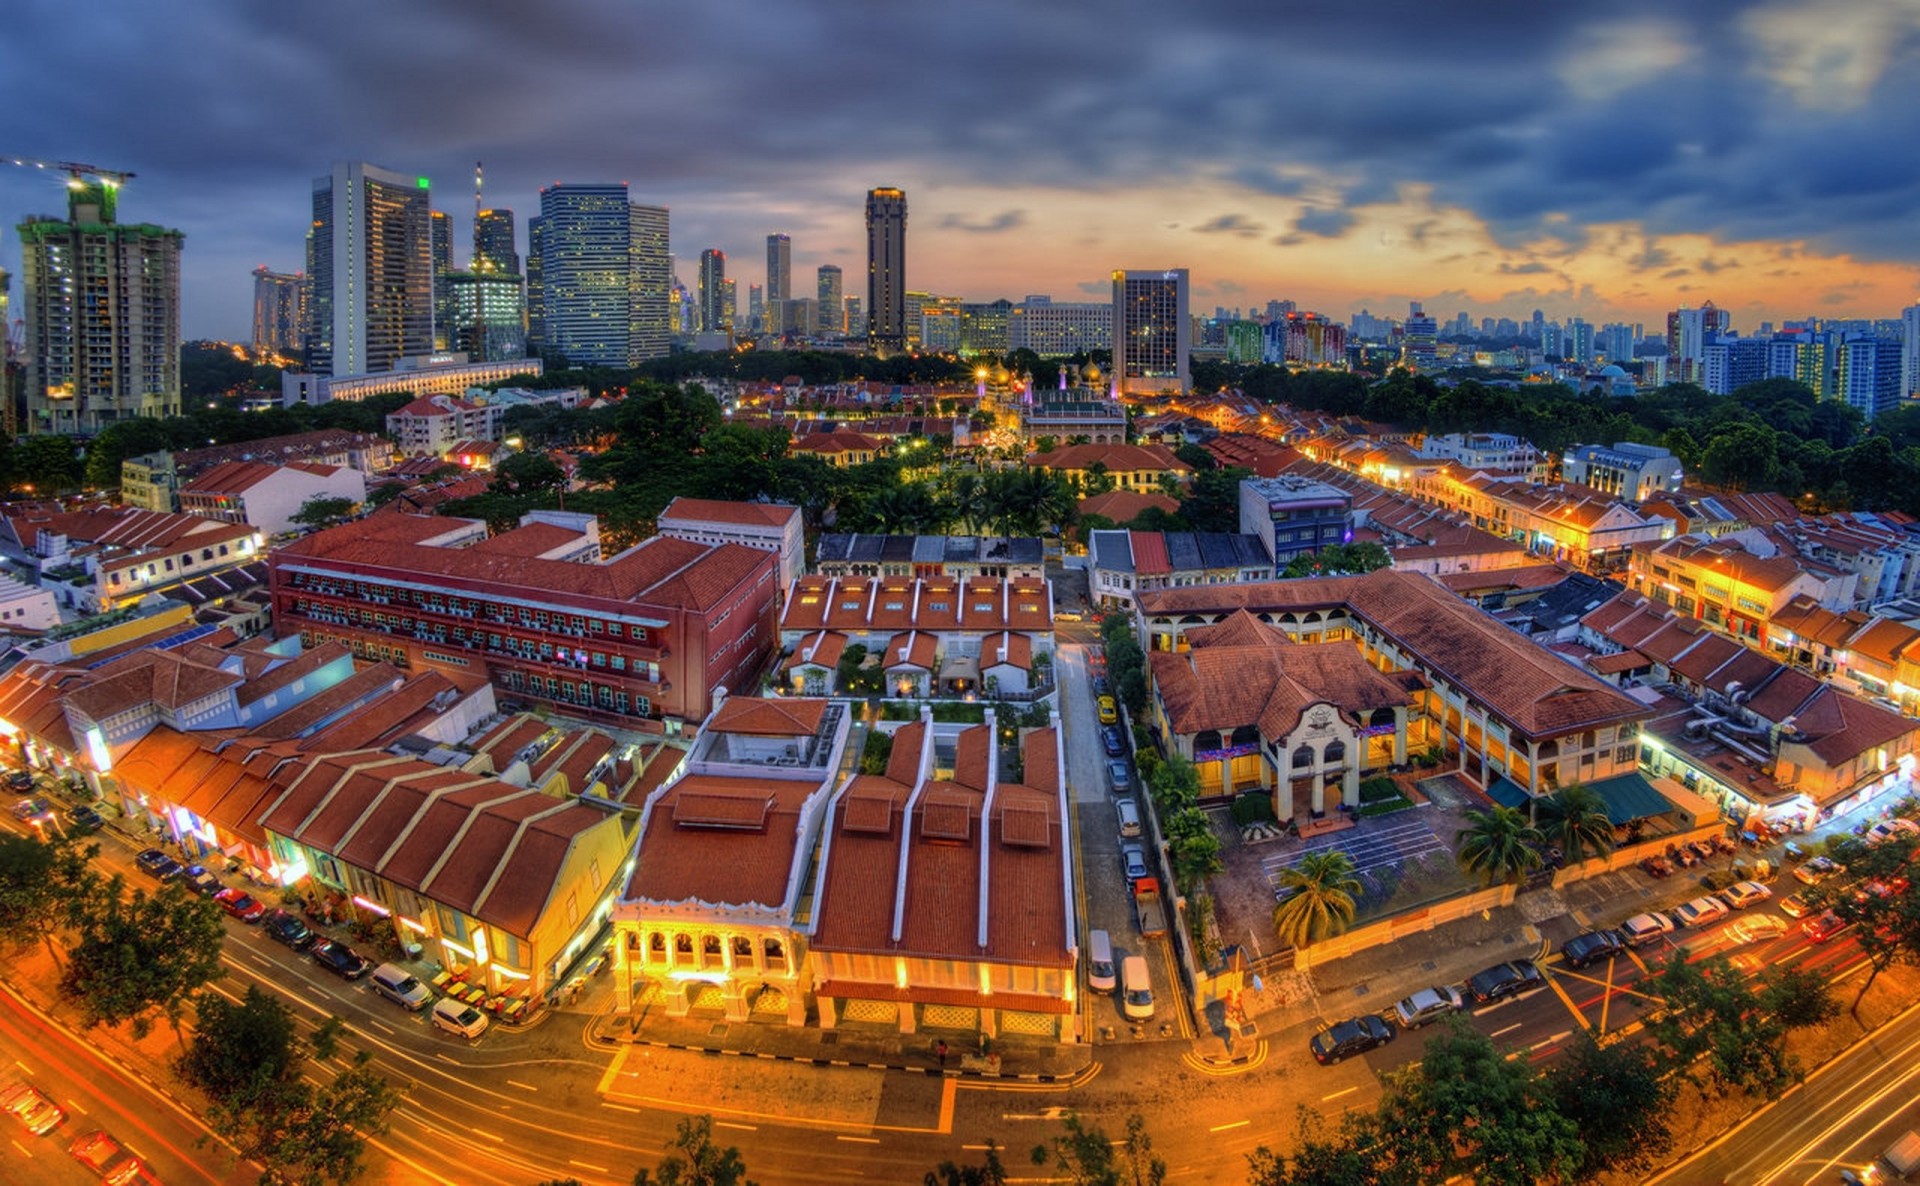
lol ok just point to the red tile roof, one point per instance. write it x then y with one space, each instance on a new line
746 514
1124 506
782 717
1117 458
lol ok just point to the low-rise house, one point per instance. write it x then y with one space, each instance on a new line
1121 564
960 556
770 527
929 636
1128 467
266 497
104 557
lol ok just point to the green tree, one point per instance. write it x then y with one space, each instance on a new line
45 465
1345 1156
322 1135
1575 818
1339 559
1885 921
242 1049
1213 499
1192 848
1618 1099
1714 1021
1744 457
44 886
1321 891
694 1160
119 441
141 953
1085 1157
528 473
1498 846
321 511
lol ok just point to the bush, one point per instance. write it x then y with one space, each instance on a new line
1384 807
893 710
1379 790
962 713
1253 807
873 758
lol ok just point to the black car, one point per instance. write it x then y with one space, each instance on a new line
200 881
1101 685
1356 1035
1594 945
20 780
1113 742
85 819
283 927
1505 980
158 865
340 959
1119 777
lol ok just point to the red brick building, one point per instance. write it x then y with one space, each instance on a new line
641 640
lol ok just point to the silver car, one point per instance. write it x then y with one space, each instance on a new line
1427 1006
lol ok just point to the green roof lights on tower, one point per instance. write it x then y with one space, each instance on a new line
425 184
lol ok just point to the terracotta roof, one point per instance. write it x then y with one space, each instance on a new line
1618 662
1117 458
689 861
530 540
713 510
234 477
822 648
1124 506
1012 649
856 907
837 442
912 649
892 604
779 717
1222 686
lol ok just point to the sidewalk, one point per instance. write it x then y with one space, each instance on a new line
1012 1057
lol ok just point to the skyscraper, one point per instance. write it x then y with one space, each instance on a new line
279 312
779 271
831 311
493 243
102 308
583 301
1910 351
887 270
713 278
757 311
1418 350
442 227
487 316
650 258
372 297
536 287
1151 330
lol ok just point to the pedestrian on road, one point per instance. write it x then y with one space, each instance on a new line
940 1052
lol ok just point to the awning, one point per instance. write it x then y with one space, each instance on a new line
960 667
1628 796
1508 793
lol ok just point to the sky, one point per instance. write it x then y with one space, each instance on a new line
1611 160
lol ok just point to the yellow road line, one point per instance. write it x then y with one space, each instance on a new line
1173 982
613 1069
946 1107
1566 1000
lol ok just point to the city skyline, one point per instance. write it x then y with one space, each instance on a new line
1623 165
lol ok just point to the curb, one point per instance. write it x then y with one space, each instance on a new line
811 1060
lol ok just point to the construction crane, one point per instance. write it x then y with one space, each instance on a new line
73 169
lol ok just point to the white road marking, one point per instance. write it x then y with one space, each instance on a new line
521 1086
75 1105
385 1029
1336 1095
1225 1127
741 1127
22 1148
619 1107
23 1066
447 1058
858 1140
598 1169
1508 1030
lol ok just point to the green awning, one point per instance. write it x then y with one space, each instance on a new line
1628 796
1508 793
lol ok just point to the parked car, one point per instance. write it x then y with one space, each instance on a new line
1643 929
1823 927
1344 1039
283 927
1427 1006
1756 928
158 865
1136 989
1133 859
1119 776
340 959
1889 829
1505 980
1128 813
1818 870
1582 950
1113 742
1109 712
241 905
84 819
457 1017
106 1157
200 881
1101 974
20 780
1101 685
1700 912
1657 867
1798 904
401 987
1742 894
26 1104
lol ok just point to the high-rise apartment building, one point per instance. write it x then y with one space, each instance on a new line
371 302
1867 373
650 259
442 230
757 319
1418 349
856 318
494 247
729 308
1057 329
886 270
1152 331
1910 351
712 294
581 289
487 315
779 270
101 302
831 307
1688 333
279 312
1580 342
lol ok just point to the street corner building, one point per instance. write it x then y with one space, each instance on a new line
937 893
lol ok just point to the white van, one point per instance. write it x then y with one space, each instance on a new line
1100 976
456 1017
1136 989
401 987
1128 812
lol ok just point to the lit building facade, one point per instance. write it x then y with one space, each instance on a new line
650 258
279 312
582 286
714 315
1152 331
371 302
832 311
102 316
488 315
495 248
886 306
779 270
1058 330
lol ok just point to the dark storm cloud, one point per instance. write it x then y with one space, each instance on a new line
1230 224
750 117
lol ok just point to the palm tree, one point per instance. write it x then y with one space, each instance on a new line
1499 846
1320 905
1576 819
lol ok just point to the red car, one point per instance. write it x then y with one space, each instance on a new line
240 905
1823 927
107 1158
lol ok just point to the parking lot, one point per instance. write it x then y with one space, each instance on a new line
1395 840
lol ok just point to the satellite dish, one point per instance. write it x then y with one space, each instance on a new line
1257 985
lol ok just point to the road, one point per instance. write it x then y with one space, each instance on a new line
1843 1116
